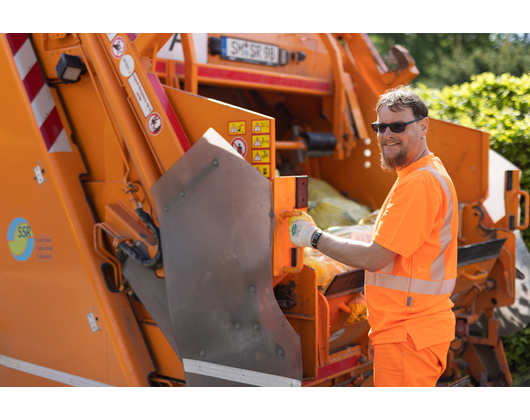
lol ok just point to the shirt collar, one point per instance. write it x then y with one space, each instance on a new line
420 163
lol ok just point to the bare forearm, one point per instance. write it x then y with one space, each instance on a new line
368 256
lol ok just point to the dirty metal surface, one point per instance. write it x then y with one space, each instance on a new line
151 291
216 229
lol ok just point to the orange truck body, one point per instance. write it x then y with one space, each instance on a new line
79 159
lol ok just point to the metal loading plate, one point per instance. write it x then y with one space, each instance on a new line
152 293
216 234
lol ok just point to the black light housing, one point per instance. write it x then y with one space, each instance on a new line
70 68
298 56
215 45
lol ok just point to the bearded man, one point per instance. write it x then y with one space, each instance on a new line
410 266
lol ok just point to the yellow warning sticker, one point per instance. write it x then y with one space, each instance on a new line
264 169
261 156
236 127
261 141
260 126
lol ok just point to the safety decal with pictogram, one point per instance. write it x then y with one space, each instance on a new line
118 47
261 141
240 145
236 127
260 126
261 156
154 123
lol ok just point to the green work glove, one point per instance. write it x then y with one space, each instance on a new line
301 229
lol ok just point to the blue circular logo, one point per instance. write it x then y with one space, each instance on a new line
20 239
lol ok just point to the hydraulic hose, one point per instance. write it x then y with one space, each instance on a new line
154 263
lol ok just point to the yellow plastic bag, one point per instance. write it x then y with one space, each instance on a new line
326 268
329 208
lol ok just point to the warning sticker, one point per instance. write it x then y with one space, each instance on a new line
154 123
262 141
240 145
127 66
139 93
117 47
261 156
264 169
260 126
111 36
237 127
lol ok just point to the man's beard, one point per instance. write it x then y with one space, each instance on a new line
393 163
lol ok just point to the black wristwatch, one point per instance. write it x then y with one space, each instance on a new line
316 237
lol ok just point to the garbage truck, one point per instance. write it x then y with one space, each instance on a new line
147 183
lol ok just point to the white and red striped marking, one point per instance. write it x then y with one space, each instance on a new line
39 94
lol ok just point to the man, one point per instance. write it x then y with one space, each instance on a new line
411 262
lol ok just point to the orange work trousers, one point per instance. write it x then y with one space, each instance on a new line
400 364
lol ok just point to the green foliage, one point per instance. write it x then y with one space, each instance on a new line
499 105
447 59
517 351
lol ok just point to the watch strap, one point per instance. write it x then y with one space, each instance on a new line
316 237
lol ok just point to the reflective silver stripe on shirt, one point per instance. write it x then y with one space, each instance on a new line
406 284
438 265
244 376
388 269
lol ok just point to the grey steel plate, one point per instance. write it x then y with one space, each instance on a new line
214 215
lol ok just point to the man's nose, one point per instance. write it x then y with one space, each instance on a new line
388 132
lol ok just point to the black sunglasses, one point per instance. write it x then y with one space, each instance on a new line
397 127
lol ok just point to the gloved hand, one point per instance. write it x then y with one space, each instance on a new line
301 229
358 312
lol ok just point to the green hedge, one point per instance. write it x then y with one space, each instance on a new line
499 105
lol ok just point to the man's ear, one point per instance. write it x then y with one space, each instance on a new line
424 125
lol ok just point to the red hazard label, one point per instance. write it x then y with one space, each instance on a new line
154 123
117 47
240 145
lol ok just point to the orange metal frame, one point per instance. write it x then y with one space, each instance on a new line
86 206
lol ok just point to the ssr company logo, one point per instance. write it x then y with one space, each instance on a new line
20 239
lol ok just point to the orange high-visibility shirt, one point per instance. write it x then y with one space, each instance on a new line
418 221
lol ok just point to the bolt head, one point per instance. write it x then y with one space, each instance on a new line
280 352
182 194
215 162
252 289
237 326
165 209
203 353
256 327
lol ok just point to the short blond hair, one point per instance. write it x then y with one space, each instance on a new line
402 97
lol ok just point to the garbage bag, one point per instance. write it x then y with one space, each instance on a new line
328 207
327 268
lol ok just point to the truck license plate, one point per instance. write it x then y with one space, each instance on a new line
250 51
